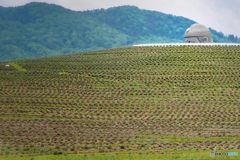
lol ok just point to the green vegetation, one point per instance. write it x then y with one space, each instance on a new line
41 30
144 102
19 68
164 155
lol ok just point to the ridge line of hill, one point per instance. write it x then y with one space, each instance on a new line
42 29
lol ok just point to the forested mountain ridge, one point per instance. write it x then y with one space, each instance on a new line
41 29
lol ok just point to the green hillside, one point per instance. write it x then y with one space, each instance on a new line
41 30
123 103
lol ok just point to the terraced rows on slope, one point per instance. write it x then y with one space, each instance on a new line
122 100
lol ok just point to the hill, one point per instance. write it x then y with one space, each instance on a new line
125 103
41 29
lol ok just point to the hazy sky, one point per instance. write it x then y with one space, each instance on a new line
221 15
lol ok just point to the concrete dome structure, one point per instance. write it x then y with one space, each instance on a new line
198 33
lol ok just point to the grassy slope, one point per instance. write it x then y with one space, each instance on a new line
148 102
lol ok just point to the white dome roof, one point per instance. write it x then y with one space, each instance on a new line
197 30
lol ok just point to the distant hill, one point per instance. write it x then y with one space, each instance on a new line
41 29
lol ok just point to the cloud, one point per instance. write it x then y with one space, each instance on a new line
221 15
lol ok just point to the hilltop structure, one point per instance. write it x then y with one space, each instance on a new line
198 33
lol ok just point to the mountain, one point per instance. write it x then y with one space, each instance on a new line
41 29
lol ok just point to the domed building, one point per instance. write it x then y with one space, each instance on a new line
198 33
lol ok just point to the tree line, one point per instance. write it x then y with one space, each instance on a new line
41 29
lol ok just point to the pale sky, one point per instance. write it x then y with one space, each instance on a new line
221 15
